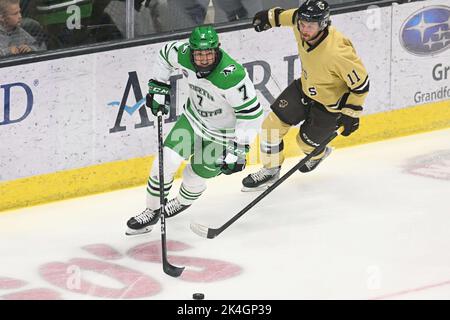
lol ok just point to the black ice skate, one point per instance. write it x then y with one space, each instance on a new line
144 222
261 179
312 164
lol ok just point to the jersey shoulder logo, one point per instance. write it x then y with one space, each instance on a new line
184 48
228 70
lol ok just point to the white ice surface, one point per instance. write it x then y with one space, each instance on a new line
372 221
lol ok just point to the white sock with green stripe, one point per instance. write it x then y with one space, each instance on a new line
192 187
172 161
153 192
186 196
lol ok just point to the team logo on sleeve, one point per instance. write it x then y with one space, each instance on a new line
228 70
184 48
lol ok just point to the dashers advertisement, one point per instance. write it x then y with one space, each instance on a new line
420 53
86 110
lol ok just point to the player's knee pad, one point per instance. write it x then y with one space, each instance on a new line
308 139
316 129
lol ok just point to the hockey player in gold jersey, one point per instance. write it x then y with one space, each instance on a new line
330 92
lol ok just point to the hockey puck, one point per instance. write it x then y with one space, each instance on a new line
198 296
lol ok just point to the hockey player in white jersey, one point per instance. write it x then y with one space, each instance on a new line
221 118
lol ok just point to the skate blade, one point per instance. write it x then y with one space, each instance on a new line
260 188
132 232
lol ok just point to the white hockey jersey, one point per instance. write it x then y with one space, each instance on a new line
221 107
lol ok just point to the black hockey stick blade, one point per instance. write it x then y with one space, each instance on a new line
168 268
172 270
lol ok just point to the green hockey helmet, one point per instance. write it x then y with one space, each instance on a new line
204 38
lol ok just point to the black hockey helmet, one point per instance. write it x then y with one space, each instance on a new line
315 11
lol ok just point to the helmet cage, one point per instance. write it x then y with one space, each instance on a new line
204 38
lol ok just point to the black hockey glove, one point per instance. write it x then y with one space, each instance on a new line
261 21
350 119
350 125
158 97
234 158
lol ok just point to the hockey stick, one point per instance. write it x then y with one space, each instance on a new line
211 233
169 269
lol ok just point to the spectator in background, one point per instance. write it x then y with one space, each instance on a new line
146 17
35 29
71 23
182 14
13 38
238 9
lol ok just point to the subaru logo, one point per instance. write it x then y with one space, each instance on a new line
426 31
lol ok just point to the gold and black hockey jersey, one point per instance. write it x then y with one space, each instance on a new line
332 72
